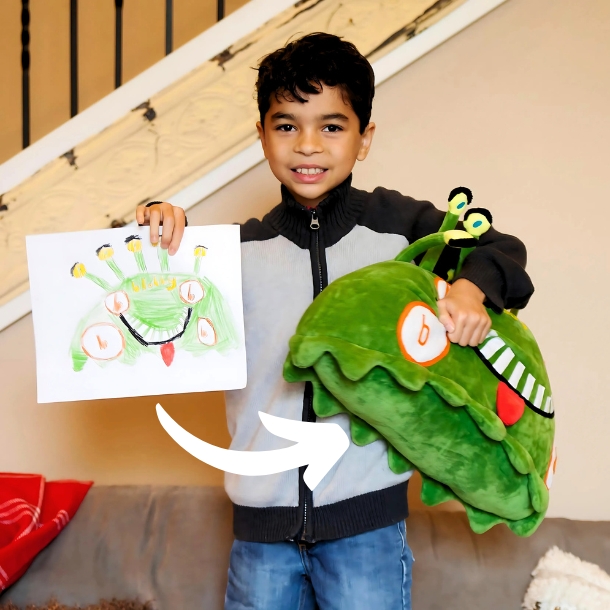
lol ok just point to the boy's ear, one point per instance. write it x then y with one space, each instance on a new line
261 135
365 141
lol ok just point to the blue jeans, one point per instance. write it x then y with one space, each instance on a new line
364 572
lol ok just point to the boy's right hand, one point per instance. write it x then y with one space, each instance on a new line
170 217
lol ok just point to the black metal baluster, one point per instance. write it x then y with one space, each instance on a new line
118 38
169 26
73 57
220 9
25 71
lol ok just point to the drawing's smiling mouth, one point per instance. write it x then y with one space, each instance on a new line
155 336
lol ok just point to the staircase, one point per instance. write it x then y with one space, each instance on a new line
184 127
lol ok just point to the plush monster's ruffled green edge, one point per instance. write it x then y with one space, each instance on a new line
356 362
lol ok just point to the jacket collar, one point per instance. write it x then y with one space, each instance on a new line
337 214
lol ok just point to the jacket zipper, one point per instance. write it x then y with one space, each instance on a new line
309 414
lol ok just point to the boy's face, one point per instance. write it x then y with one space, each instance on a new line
320 135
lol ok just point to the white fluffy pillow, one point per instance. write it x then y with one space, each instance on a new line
565 582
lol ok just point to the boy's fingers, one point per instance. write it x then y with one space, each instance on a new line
485 327
140 214
444 317
475 334
179 224
168 229
459 321
155 221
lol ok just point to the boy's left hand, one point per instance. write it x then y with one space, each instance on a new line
462 313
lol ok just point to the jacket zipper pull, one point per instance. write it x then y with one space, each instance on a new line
314 225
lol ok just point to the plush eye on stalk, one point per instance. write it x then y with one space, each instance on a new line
477 221
459 198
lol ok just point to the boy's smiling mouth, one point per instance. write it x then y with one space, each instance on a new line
308 173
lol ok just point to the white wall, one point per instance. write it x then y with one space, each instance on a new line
516 107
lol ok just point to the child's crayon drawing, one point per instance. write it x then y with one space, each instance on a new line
161 316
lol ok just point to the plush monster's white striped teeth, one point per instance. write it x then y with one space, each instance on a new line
504 359
516 375
492 346
529 386
539 396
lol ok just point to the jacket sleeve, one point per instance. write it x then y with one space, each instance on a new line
496 266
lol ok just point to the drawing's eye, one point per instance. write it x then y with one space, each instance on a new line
206 332
103 341
421 336
117 302
191 292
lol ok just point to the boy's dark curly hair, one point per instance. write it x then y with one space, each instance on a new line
306 64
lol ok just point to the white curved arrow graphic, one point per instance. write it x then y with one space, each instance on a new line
319 445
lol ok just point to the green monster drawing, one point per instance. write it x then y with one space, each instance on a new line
151 312
477 423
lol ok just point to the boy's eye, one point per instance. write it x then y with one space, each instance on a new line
334 128
281 127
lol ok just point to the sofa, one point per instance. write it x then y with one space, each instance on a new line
171 545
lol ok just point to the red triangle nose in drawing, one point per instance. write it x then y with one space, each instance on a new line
167 353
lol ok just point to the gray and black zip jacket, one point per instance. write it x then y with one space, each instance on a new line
288 258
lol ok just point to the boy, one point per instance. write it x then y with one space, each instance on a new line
344 545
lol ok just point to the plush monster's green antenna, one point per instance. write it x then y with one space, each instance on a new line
78 270
163 257
134 245
476 222
199 254
105 253
453 239
459 198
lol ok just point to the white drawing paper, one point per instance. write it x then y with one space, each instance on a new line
115 316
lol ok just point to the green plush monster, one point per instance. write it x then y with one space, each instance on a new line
151 312
477 423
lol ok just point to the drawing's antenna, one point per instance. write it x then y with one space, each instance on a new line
163 257
199 254
78 270
105 253
134 245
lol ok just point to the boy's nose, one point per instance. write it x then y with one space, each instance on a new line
308 143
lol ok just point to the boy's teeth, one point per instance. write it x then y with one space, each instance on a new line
310 170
